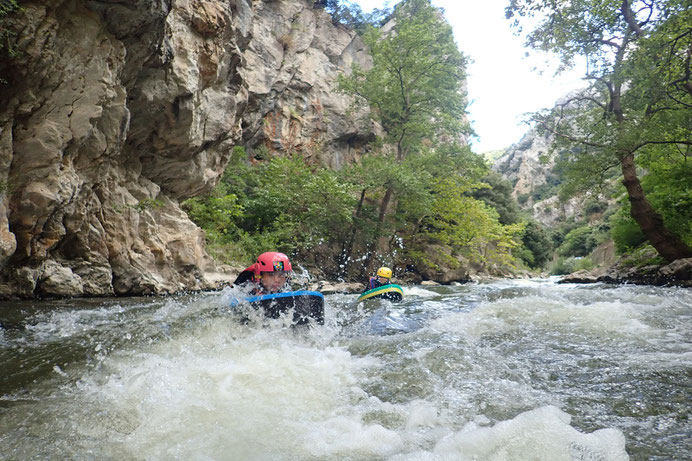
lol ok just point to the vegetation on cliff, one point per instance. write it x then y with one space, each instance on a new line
7 7
418 198
412 200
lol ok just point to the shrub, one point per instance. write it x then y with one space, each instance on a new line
625 232
537 245
579 242
563 266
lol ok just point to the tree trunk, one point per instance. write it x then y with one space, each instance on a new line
346 253
668 245
376 246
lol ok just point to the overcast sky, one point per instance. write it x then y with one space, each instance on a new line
501 83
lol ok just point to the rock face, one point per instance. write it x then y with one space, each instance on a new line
678 273
113 112
529 167
293 104
526 164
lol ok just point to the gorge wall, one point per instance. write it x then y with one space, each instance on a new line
113 112
529 166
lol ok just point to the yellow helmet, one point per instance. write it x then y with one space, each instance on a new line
384 272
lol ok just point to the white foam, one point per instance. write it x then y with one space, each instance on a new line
345 436
540 434
418 291
543 433
265 393
599 318
422 414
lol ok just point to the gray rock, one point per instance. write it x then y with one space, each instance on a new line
117 111
582 276
679 270
339 287
677 273
57 280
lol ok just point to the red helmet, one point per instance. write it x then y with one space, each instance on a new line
271 261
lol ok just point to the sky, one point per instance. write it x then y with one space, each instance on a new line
502 85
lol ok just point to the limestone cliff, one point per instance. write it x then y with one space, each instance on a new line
530 167
112 112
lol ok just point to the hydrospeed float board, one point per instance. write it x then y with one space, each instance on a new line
305 305
392 292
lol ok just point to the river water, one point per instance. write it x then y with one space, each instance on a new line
510 370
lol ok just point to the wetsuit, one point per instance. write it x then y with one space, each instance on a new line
246 277
374 283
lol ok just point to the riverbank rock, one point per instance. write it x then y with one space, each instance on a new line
338 287
677 273
222 275
113 113
429 283
680 271
582 276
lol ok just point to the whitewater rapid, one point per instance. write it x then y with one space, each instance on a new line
511 370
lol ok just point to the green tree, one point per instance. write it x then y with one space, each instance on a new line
415 88
281 203
638 99
579 242
350 14
538 243
460 222
498 195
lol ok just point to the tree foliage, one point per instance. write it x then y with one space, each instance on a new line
314 213
458 221
579 242
625 232
498 194
639 95
7 7
350 14
411 190
415 88
282 203
537 245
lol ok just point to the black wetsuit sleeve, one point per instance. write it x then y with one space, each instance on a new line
243 277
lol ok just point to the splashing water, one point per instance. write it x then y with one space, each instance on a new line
521 370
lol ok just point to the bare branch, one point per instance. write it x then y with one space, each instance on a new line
571 138
662 143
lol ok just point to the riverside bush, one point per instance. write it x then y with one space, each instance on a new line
563 266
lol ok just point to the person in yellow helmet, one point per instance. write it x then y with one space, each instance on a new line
383 277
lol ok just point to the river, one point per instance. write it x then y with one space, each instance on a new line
509 370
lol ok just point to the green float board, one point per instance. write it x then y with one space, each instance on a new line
392 292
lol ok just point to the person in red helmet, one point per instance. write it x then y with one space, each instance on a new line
269 274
